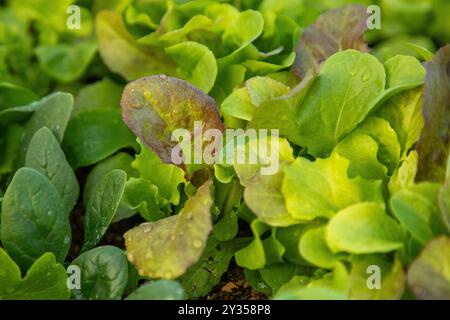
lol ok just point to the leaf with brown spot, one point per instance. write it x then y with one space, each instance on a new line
153 107
168 247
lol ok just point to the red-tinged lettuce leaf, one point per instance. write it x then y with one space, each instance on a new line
434 142
336 30
429 274
153 107
168 247
121 52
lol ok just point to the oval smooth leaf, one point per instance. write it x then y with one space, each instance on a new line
102 206
34 219
104 273
364 228
44 154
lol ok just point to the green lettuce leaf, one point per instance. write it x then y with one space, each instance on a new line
364 228
280 113
339 100
322 188
142 196
362 151
405 174
260 252
166 177
402 73
196 64
243 102
238 36
121 52
227 199
262 192
403 112
417 208
388 145
332 286
392 278
315 250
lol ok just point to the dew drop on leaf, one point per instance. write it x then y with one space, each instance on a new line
66 240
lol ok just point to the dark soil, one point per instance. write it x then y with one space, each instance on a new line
113 237
234 286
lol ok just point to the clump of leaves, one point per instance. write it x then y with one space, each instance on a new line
364 162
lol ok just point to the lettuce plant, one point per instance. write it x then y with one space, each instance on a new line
87 115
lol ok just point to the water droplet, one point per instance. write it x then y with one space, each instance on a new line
147 230
66 240
197 244
49 212
136 104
